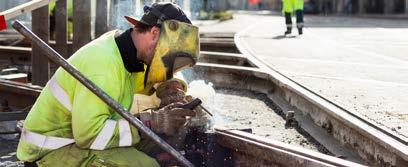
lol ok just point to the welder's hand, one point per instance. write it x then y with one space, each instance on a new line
201 118
167 120
170 91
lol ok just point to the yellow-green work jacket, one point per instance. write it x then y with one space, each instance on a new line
66 112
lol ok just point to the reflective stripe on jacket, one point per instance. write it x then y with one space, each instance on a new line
66 112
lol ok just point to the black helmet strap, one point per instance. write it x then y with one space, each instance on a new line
160 16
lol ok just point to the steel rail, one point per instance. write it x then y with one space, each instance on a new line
279 152
378 136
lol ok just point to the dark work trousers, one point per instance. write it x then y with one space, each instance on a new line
288 20
299 19
299 22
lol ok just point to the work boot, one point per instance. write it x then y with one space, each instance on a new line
288 31
300 30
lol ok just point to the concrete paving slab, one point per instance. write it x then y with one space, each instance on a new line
358 64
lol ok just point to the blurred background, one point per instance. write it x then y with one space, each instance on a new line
217 9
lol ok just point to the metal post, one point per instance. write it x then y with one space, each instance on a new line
40 67
81 23
58 59
406 7
389 6
361 6
113 10
101 21
61 37
186 7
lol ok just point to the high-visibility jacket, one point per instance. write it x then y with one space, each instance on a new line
66 112
288 6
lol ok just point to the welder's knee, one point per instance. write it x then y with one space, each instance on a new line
72 155
127 156
69 155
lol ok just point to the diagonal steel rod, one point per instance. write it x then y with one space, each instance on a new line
59 60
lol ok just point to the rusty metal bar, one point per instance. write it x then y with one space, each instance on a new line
58 59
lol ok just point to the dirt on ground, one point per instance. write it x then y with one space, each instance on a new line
8 153
242 109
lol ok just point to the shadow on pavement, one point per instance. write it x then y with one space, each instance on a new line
279 37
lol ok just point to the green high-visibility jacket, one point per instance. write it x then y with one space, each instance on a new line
288 6
66 112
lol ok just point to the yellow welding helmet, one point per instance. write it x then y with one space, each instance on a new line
177 48
178 44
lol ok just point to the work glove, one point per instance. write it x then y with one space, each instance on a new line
167 120
201 119
143 102
170 91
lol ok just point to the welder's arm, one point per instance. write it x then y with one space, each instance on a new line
93 123
171 116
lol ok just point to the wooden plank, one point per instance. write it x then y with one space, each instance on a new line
14 51
82 23
61 28
13 55
101 22
40 64
18 95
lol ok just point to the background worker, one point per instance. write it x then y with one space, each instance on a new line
70 126
288 7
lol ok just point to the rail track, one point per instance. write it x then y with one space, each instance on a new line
251 150
374 144
238 144
337 130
